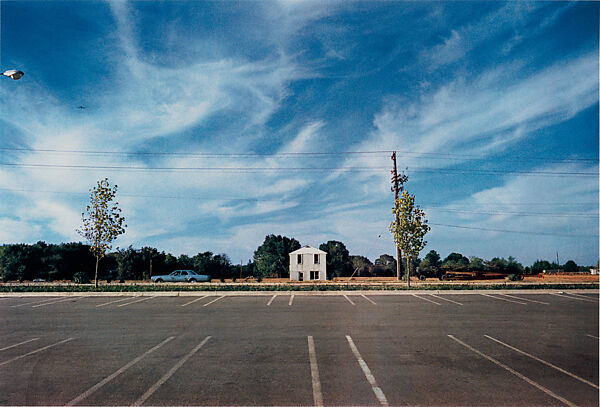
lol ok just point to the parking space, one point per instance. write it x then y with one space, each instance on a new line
352 349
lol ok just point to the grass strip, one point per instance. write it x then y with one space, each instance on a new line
286 287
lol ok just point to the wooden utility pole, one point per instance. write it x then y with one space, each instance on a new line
397 186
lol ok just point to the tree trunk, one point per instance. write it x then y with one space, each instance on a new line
398 263
408 272
96 275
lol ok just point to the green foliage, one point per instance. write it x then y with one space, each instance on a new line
271 259
571 267
81 278
385 266
476 264
539 266
338 259
362 265
455 259
40 260
102 220
410 229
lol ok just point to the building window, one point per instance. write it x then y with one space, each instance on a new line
314 275
299 259
300 276
316 259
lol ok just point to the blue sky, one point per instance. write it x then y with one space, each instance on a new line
492 107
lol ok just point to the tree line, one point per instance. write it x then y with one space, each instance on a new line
26 262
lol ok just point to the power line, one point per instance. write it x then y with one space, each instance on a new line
293 169
550 215
382 153
512 231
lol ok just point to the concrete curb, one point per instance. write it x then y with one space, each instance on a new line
296 293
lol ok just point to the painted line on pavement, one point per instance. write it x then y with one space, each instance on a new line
573 298
291 299
271 300
95 387
56 302
170 373
504 299
19 344
314 372
133 302
112 302
519 375
592 336
349 300
524 299
368 299
425 299
584 296
35 351
216 299
370 378
33 302
193 301
446 299
544 362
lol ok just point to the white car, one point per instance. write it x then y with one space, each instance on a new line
181 276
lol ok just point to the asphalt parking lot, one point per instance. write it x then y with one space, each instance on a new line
428 349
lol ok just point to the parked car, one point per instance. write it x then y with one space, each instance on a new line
181 276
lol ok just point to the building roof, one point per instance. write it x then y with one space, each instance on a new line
308 249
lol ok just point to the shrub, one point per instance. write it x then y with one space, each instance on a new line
81 278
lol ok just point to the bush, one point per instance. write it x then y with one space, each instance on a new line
81 278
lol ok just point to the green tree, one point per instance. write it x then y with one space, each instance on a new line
571 267
476 264
455 259
385 265
102 221
272 257
539 266
361 265
338 258
410 230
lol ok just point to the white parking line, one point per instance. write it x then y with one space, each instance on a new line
524 299
291 299
425 299
112 302
592 336
446 299
314 372
271 300
349 300
95 387
584 296
216 299
33 302
56 302
193 301
370 378
35 351
19 344
133 302
519 375
573 298
504 299
170 373
544 362
368 299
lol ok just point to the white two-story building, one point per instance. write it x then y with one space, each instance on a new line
308 263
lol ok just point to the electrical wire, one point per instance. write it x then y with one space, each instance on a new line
296 169
383 153
512 231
